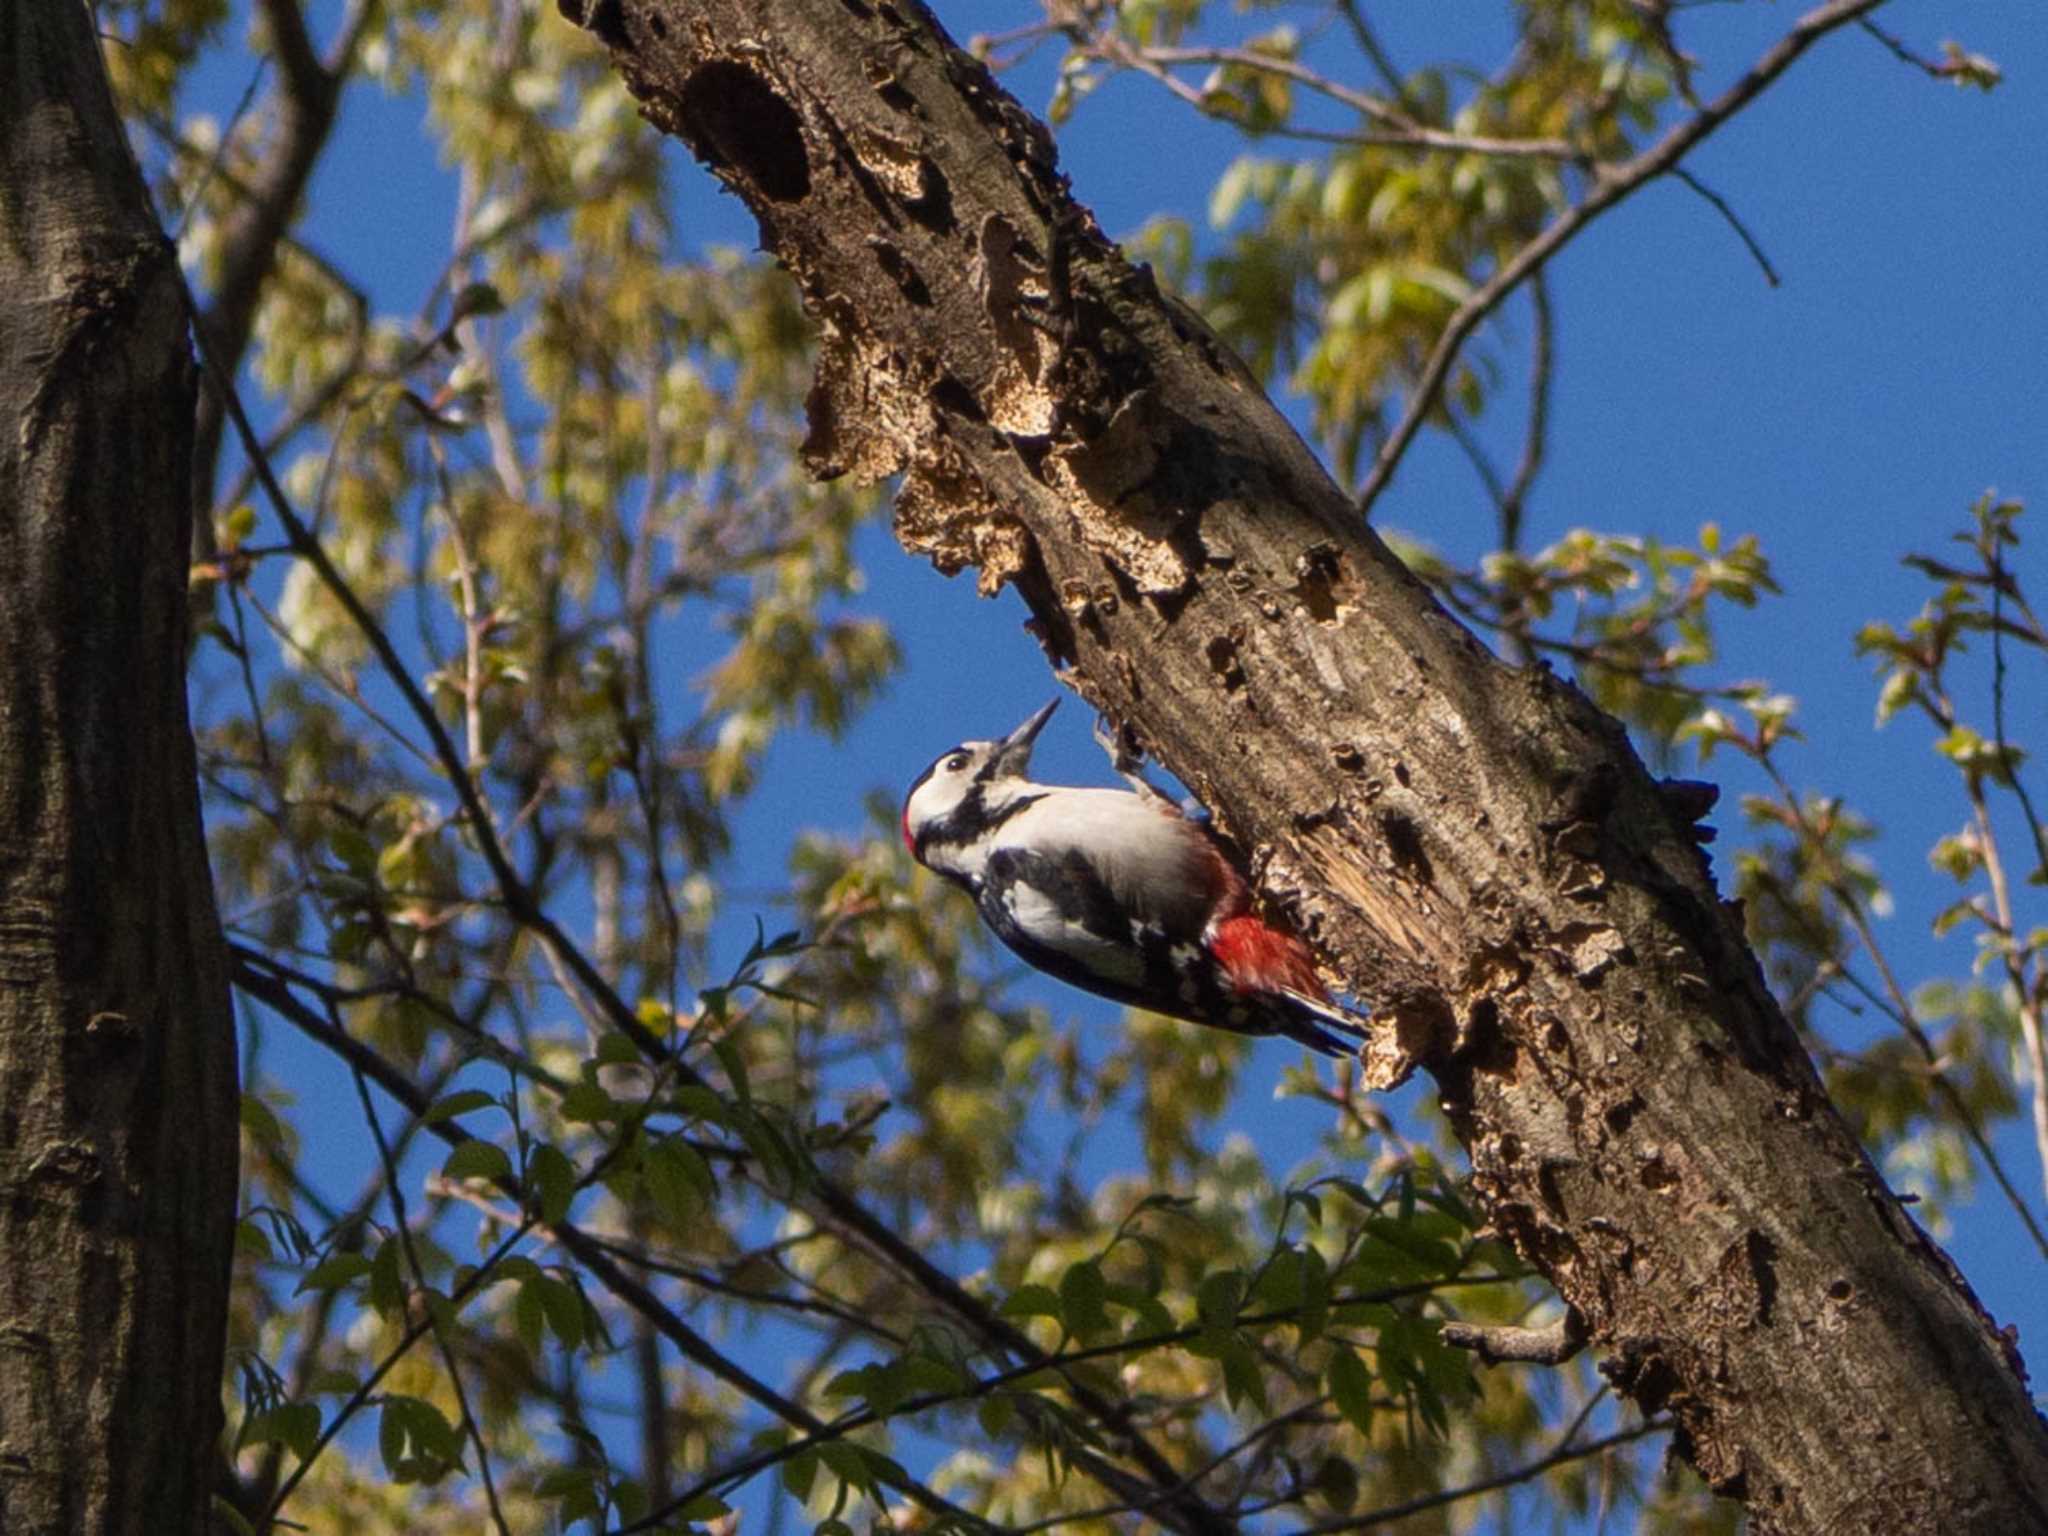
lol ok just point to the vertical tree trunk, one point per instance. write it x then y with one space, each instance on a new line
1476 845
118 1118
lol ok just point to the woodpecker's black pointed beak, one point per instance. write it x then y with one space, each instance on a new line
1013 754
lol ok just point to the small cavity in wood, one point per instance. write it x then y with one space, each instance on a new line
900 272
741 125
1223 661
1322 583
1404 841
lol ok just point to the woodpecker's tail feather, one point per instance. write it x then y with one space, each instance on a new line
1319 1024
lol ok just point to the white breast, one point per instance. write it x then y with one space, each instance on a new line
1154 862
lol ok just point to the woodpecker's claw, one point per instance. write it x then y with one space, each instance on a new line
1120 744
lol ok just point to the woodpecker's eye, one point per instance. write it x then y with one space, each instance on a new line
956 762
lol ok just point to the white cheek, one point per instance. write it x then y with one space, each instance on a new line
934 798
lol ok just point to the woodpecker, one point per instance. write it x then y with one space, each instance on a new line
1116 892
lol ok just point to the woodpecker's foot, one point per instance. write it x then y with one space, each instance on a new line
1121 747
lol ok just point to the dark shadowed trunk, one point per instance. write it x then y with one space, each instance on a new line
117 1070
1475 846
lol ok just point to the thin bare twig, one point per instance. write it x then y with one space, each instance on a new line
1720 206
1369 44
403 1225
1565 1452
738 1472
485 1274
1397 128
1542 364
1612 185
1897 1006
2024 1002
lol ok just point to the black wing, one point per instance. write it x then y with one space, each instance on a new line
1054 912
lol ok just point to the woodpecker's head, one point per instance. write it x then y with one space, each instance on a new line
969 790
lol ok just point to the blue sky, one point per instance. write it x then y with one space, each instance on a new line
1847 417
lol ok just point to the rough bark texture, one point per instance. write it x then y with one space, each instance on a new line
117 1069
1476 848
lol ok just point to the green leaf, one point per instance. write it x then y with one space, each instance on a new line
735 1065
1082 1294
693 1101
800 1472
563 1307
1337 1481
678 1179
448 1106
1279 1284
1954 913
348 844
629 1497
924 1374
848 1464
296 1426
1219 1298
416 1442
261 1121
475 1159
386 1290
477 298
1032 1301
1243 1380
561 1482
529 1317
550 1181
778 1165
334 1272
996 1413
1314 1316
587 1104
1349 1382
615 1049
391 1436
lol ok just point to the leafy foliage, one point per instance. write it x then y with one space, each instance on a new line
629 1236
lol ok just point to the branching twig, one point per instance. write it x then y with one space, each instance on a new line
1613 184
1542 364
1398 130
403 1227
1565 1452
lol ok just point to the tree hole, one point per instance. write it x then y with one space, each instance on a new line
738 122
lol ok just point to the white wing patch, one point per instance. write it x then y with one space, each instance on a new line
1034 912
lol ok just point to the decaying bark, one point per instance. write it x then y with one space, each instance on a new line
1476 848
117 1071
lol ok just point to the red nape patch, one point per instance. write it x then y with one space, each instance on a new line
1257 958
908 841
